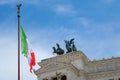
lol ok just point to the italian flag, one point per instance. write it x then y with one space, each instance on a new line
26 49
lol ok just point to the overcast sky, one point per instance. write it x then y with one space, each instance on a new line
95 25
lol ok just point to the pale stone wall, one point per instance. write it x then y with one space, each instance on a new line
71 75
76 66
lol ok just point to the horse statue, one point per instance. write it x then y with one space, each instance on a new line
74 47
70 46
58 51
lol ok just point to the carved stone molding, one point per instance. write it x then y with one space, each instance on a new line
104 74
56 66
104 65
67 58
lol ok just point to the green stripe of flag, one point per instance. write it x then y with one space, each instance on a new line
24 45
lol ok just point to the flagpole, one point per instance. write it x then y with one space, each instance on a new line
18 15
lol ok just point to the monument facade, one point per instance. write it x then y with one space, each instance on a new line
77 66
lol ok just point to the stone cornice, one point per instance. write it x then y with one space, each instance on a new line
106 60
52 68
104 74
67 58
103 62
